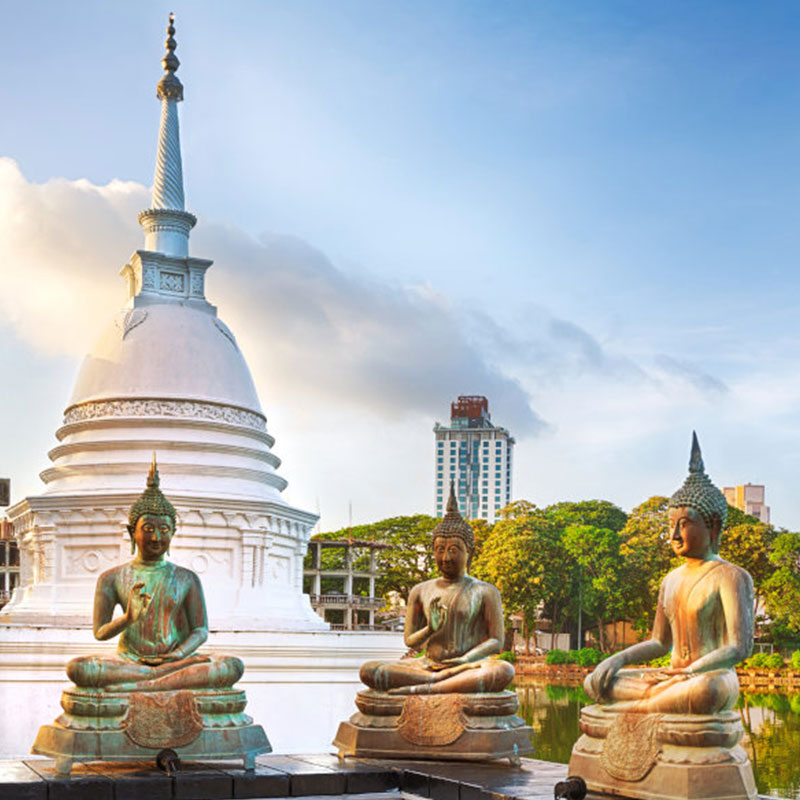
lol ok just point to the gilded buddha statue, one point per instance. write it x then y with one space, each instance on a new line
157 693
435 703
648 723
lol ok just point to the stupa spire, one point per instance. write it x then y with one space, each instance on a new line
167 223
168 182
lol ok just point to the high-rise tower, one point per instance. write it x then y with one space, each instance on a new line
477 456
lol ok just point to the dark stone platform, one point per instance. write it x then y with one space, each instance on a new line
279 776
282 776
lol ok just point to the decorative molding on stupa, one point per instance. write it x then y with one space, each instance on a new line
158 407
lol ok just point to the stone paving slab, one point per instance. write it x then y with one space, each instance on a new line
317 776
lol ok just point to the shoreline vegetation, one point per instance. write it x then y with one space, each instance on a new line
762 669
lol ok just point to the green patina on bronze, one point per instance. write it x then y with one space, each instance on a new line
450 703
158 691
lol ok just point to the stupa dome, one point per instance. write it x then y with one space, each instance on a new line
169 351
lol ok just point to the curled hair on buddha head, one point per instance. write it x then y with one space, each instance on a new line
151 501
453 524
699 493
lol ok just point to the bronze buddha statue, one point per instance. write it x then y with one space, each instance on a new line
449 701
158 694
164 618
649 723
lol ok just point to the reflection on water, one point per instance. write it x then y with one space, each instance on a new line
771 722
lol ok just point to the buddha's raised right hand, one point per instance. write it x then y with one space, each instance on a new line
137 602
437 614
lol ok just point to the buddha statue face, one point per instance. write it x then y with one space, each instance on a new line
451 555
690 537
152 535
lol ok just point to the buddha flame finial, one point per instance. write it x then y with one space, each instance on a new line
696 458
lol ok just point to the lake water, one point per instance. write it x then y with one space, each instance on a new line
771 722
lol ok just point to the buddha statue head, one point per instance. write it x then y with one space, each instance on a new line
154 511
704 503
453 541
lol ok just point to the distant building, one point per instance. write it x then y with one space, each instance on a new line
339 576
477 456
9 562
748 498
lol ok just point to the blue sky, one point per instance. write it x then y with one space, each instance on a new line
596 201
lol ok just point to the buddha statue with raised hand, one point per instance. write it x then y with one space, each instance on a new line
434 704
158 694
164 618
651 722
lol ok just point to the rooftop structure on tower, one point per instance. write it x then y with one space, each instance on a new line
477 456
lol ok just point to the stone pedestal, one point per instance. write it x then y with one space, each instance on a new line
458 727
132 726
663 756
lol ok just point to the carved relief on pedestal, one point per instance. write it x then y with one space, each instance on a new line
631 746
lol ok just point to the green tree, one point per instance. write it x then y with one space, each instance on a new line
597 513
782 588
647 557
518 556
408 561
749 545
597 552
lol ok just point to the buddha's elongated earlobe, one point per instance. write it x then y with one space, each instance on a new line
133 546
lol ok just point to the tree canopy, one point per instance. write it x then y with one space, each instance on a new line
586 557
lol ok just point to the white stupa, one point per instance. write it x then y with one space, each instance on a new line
167 376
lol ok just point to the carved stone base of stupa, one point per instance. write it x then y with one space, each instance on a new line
663 756
457 727
134 726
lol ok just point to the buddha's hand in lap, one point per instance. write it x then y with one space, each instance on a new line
166 658
603 676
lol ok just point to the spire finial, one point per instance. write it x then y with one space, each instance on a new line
167 223
170 86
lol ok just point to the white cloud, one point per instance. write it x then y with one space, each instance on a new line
353 371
